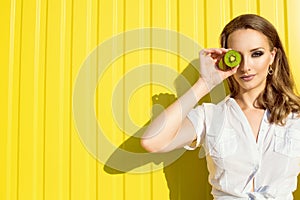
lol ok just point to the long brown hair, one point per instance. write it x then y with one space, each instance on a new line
279 96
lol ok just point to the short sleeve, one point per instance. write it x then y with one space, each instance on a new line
197 117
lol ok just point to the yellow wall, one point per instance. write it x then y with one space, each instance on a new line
43 47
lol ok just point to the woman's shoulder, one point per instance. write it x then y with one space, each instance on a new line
225 103
293 120
212 109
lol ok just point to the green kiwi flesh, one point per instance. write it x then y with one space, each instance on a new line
232 58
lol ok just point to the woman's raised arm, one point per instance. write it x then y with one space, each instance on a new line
172 129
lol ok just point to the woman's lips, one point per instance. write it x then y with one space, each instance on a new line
247 77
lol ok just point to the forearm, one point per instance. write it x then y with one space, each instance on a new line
164 128
172 121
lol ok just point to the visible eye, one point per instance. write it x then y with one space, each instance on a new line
257 54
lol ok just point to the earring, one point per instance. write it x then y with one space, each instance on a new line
270 71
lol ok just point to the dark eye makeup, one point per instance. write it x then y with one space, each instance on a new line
257 54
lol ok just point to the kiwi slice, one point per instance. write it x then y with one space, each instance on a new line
222 65
232 58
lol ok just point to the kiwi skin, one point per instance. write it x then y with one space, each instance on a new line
230 60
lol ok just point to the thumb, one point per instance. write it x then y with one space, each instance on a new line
231 72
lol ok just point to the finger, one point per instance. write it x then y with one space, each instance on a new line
209 51
231 72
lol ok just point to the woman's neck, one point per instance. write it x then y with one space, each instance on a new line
247 100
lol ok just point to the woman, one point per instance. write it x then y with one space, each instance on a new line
252 138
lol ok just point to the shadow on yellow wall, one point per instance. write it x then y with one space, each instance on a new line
187 176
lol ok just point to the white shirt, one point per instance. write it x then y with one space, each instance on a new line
235 160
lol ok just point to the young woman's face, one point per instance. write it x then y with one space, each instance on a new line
256 58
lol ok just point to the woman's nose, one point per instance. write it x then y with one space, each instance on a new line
245 65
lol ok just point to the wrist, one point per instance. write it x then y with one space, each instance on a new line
201 88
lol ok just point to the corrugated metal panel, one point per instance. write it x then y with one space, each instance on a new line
43 46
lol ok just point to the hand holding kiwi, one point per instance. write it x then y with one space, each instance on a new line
230 60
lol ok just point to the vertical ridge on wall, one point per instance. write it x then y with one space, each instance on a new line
70 122
178 30
151 88
97 99
213 23
36 169
26 107
136 186
205 23
231 8
4 63
276 13
160 18
112 185
64 108
9 155
44 99
258 7
51 101
286 32
62 36
83 162
145 15
18 106
91 44
124 91
196 21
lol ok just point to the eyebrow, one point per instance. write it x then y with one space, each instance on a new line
257 49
